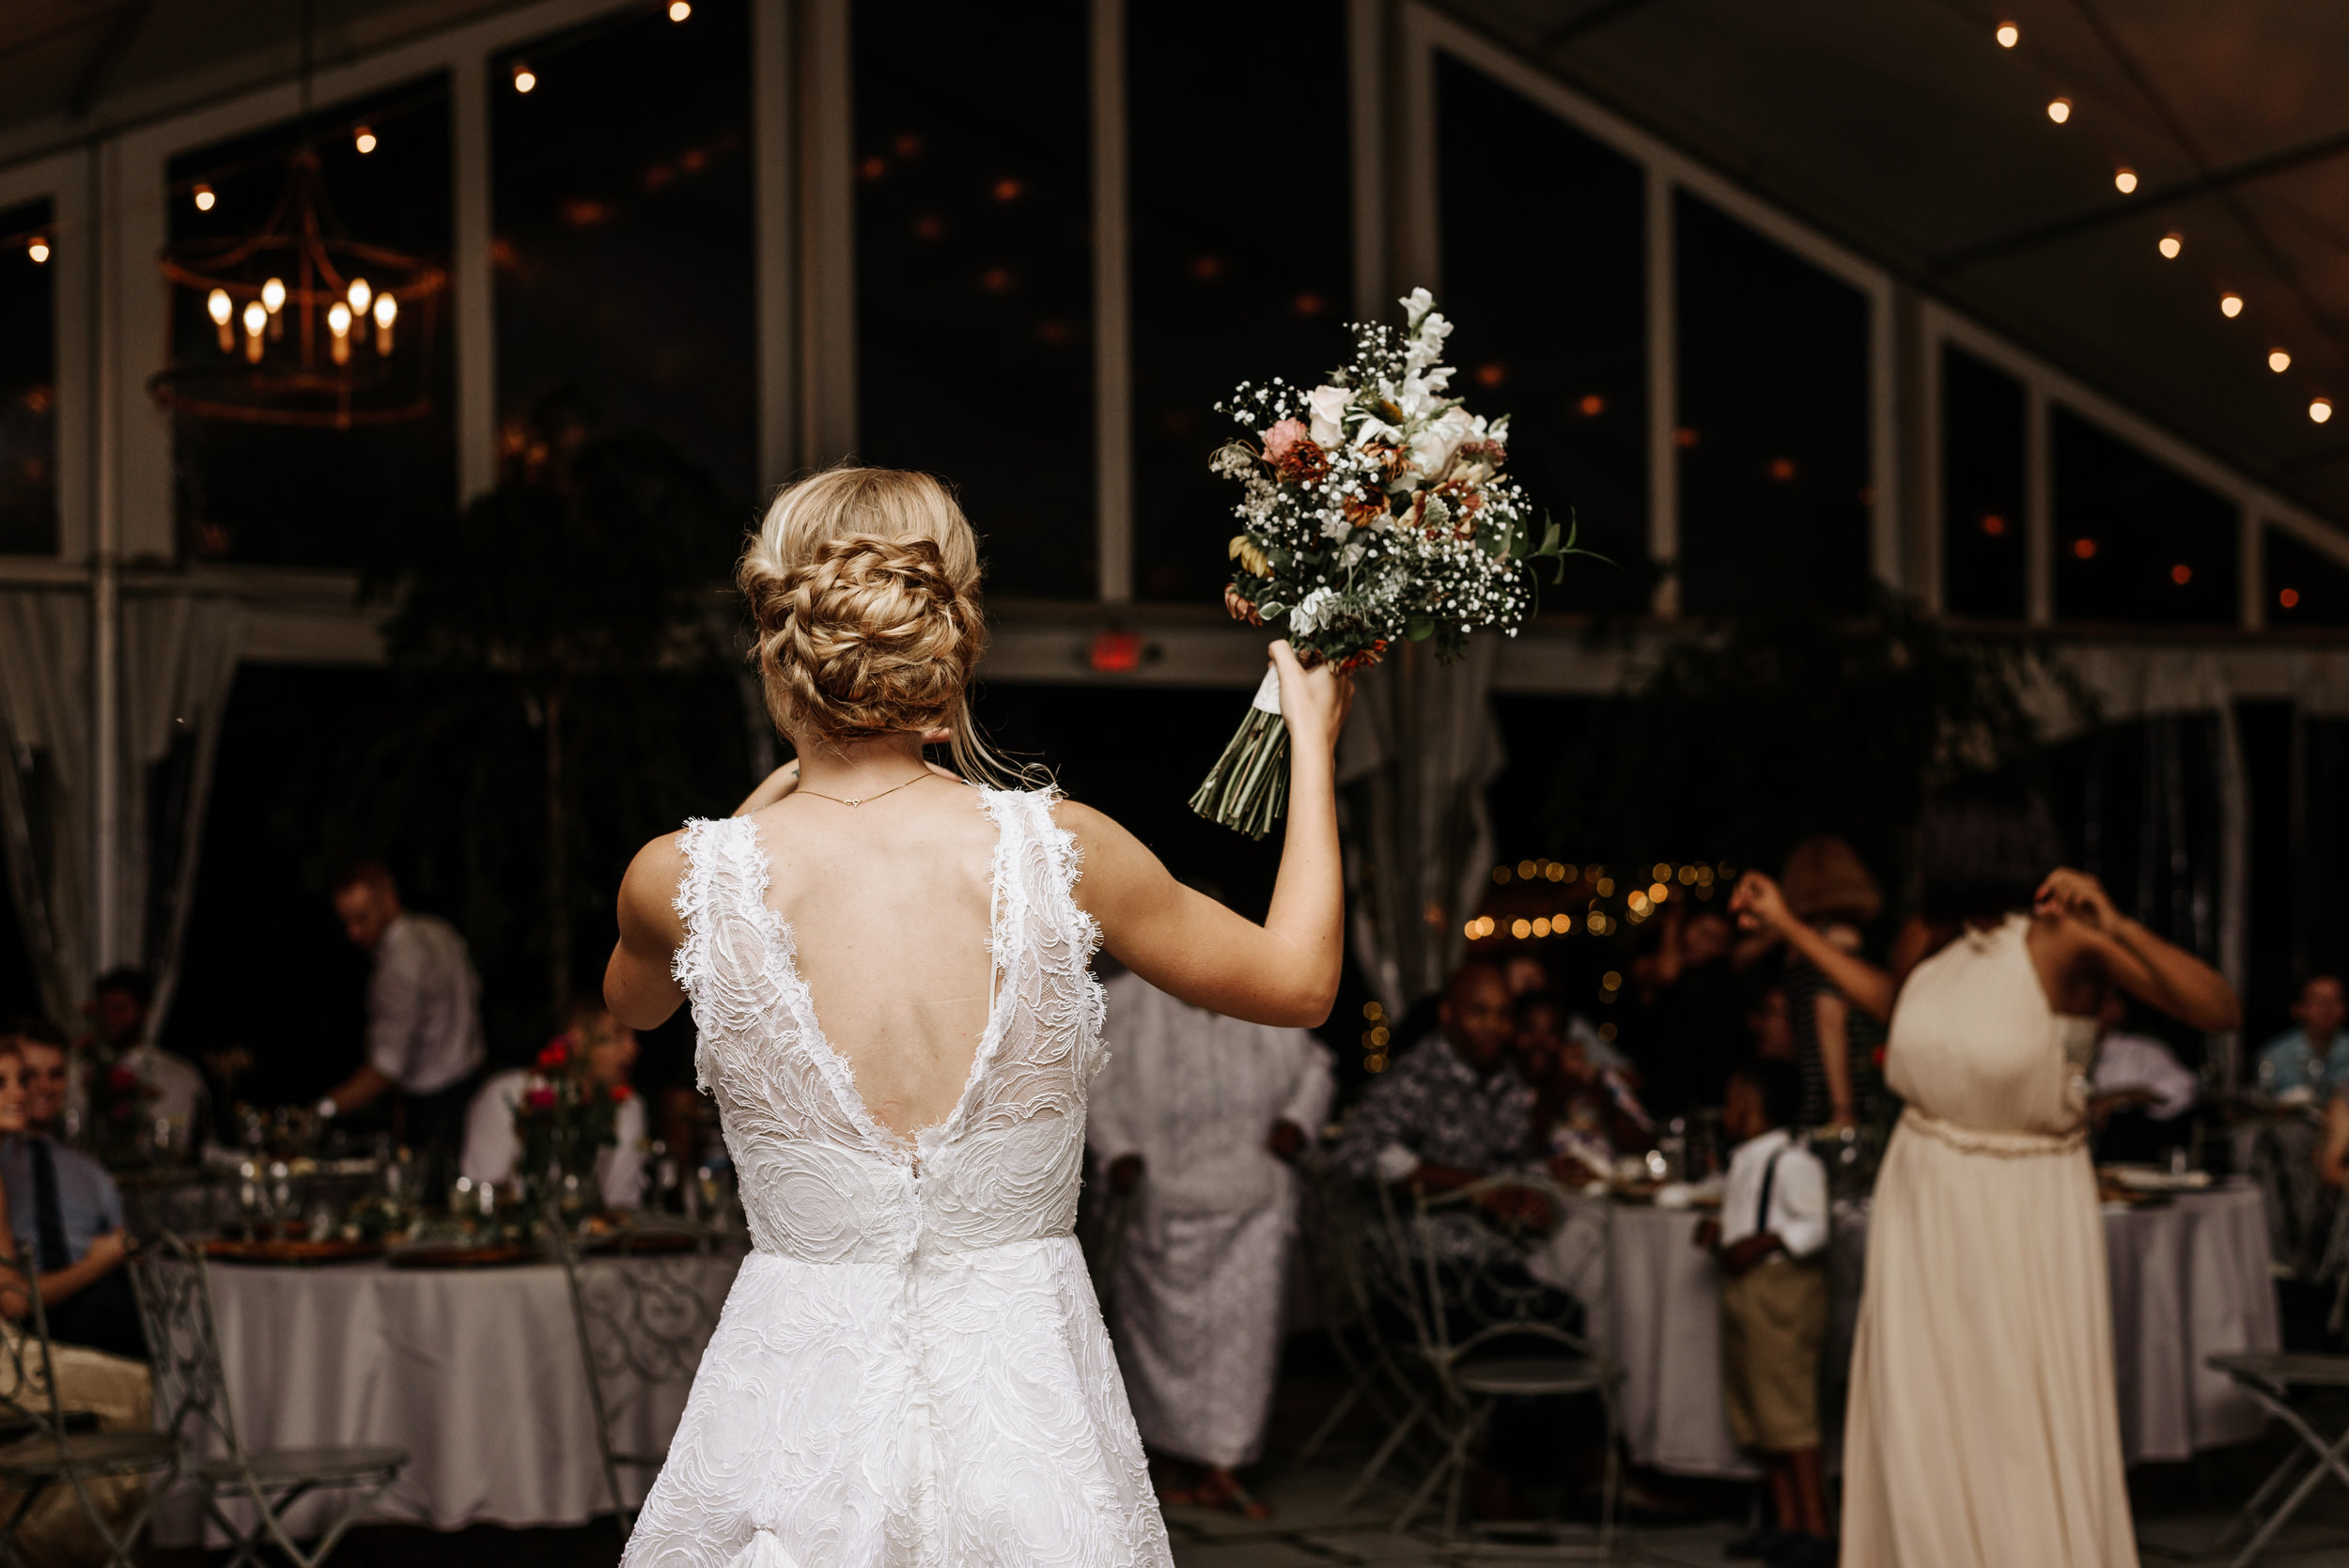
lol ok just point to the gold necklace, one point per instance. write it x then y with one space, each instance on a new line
866 799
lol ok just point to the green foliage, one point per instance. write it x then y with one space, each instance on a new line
1749 735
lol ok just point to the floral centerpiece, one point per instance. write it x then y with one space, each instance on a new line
1373 511
565 1118
119 1100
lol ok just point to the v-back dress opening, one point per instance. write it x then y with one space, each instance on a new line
910 1370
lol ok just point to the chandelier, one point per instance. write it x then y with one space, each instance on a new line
309 326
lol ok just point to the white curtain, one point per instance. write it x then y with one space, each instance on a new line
179 659
1413 766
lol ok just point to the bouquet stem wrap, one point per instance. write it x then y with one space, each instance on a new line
1248 789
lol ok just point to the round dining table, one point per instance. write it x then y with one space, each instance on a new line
2190 1278
476 1372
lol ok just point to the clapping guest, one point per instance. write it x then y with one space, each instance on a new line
1826 886
596 1048
1583 1114
70 1207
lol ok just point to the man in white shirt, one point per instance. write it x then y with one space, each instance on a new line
424 1017
180 1100
600 1051
1203 1115
1769 1239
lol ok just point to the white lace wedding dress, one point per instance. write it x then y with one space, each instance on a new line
910 1370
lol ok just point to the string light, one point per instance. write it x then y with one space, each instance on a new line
2059 109
221 309
364 140
2182 574
338 322
204 198
2321 409
255 319
2124 181
387 312
2230 304
2171 243
679 10
2289 598
2008 35
38 251
524 78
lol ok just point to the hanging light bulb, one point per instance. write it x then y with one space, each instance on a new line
204 198
255 319
2008 35
38 250
2171 243
679 10
219 307
359 293
2321 409
2125 181
338 323
2230 304
364 140
274 301
2278 360
2059 109
524 78
387 312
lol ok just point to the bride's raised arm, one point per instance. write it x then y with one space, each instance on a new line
1284 972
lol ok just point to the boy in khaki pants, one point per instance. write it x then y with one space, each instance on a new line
1769 1240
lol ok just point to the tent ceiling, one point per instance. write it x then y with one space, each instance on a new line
1900 126
1903 128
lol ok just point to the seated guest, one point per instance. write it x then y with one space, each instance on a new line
176 1092
1455 1108
1583 1114
1205 1113
67 1203
1770 1241
597 1049
2305 1062
2140 1093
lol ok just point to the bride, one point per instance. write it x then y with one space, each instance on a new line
888 971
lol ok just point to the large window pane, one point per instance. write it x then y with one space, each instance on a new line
1982 489
624 236
1544 273
975 296
1240 270
1774 484
256 491
2305 586
29 383
2136 540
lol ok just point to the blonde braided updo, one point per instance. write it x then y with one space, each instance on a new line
863 586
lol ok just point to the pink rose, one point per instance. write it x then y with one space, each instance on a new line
539 1100
1289 447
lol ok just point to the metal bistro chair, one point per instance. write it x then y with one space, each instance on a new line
174 1282
1484 1331
647 1317
48 1445
1333 1231
2271 1376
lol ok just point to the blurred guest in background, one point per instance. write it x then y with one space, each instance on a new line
1204 1114
1455 1108
1767 1022
424 1019
596 1048
119 1010
1583 1114
2139 1094
2309 1060
1680 1021
69 1208
1829 889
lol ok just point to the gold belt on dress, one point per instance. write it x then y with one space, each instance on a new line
2007 1145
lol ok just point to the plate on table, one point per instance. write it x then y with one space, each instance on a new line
448 1255
2149 1178
287 1251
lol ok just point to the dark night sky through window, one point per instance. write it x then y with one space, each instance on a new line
28 385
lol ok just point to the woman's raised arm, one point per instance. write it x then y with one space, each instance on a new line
1283 972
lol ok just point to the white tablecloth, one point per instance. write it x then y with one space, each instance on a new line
2190 1279
475 1372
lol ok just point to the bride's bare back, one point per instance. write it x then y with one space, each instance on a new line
888 905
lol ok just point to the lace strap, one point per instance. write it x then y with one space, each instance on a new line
699 894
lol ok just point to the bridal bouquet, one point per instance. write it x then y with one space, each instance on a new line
1373 510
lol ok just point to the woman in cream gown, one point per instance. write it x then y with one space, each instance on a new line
1983 1430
